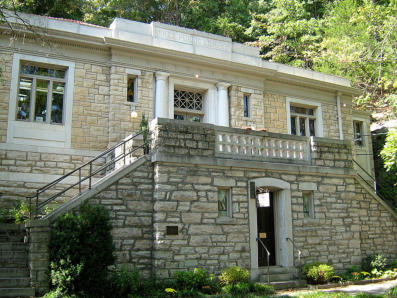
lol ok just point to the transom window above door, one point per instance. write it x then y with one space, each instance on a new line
303 121
188 105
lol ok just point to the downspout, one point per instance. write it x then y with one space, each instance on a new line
340 122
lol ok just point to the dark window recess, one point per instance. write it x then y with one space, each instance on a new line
131 90
172 230
246 106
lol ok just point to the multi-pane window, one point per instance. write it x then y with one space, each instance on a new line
131 89
41 94
188 105
224 202
246 105
303 121
358 133
308 204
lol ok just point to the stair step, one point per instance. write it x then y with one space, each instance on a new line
288 284
14 272
17 292
20 282
274 270
10 255
277 277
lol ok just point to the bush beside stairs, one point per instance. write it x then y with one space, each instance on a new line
14 271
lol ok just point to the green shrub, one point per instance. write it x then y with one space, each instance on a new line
393 265
124 282
308 266
237 289
234 275
320 274
392 292
377 262
81 249
198 279
262 289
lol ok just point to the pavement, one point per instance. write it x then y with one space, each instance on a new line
372 288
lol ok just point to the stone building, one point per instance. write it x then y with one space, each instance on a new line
245 154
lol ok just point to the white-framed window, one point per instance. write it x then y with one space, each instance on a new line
308 204
41 91
246 105
188 105
132 85
304 118
224 202
358 133
41 101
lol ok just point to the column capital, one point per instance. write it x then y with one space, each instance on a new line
338 93
222 85
162 75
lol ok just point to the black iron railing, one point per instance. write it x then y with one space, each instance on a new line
374 185
118 155
267 257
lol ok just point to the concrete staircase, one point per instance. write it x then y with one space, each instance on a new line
281 277
14 272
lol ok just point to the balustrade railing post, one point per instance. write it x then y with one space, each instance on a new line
89 179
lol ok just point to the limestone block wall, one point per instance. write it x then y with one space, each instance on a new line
378 229
331 153
5 85
23 172
90 119
256 109
330 121
185 196
275 116
130 202
120 122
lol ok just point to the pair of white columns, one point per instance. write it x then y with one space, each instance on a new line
162 101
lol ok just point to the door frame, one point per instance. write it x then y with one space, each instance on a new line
282 223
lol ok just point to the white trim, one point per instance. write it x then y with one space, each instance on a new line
209 99
308 103
133 72
340 118
33 133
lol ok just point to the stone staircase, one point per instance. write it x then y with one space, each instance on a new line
281 277
14 272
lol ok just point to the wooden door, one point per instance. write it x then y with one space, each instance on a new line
265 218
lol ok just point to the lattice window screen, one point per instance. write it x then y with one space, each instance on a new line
188 100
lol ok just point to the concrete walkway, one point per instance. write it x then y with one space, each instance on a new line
373 288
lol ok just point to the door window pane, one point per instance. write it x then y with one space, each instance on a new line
24 98
311 127
41 101
293 125
57 102
302 124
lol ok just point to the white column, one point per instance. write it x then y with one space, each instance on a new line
161 99
340 118
223 104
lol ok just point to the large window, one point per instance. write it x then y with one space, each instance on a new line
41 101
303 121
188 105
41 94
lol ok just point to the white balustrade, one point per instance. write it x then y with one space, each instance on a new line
262 147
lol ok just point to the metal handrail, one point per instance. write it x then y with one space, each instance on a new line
294 246
268 261
375 186
81 179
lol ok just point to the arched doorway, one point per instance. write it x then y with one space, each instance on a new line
275 217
